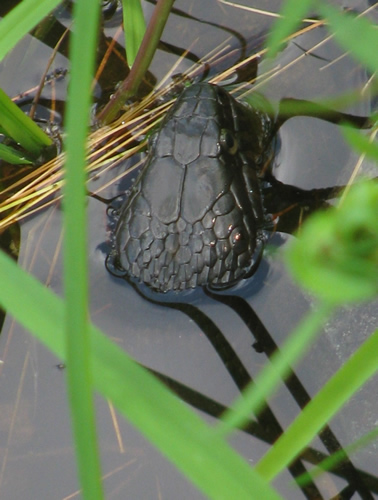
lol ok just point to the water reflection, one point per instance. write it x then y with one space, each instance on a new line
265 426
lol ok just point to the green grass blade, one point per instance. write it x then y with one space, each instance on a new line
337 458
20 20
20 127
357 35
361 143
175 429
340 249
335 393
292 13
79 374
254 397
134 28
13 156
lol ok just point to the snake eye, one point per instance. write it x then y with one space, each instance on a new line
228 142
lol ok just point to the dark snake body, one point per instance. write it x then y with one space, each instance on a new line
195 215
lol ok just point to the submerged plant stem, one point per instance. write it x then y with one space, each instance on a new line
142 61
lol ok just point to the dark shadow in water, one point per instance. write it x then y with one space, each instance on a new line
290 203
264 342
266 427
255 429
266 418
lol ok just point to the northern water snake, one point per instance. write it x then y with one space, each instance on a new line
195 214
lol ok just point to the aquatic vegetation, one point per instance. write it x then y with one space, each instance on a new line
95 363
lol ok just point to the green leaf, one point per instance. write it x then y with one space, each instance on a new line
134 28
142 61
336 255
292 13
13 156
337 458
357 35
176 430
335 393
361 143
20 127
20 20
254 396
79 376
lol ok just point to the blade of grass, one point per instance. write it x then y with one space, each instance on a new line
79 376
335 393
13 156
361 143
134 27
292 13
357 35
296 345
20 127
142 61
175 429
20 20
337 458
339 249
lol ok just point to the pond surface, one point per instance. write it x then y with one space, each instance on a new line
206 348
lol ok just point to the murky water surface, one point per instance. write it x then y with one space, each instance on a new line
206 347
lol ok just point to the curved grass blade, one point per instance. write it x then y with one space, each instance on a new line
335 393
177 431
254 396
292 13
361 143
340 249
356 34
20 127
13 156
20 20
337 458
